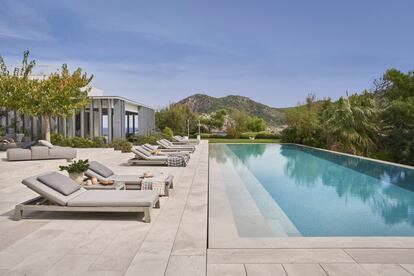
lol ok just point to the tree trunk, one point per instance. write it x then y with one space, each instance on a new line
46 126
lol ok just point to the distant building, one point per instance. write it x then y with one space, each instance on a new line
113 117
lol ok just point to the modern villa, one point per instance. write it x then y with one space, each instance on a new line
112 117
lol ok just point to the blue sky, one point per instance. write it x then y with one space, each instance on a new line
275 52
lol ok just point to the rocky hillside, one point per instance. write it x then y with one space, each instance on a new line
206 104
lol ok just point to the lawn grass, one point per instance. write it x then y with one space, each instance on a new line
241 141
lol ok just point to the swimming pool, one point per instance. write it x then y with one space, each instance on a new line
289 190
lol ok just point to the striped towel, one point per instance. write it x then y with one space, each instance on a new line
155 184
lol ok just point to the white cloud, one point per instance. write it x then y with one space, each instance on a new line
20 21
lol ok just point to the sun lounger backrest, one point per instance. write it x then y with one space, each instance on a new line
167 142
90 173
100 169
143 151
49 193
139 154
163 144
149 147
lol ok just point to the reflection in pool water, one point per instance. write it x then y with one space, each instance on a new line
327 194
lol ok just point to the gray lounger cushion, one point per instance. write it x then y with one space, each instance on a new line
49 193
62 152
100 169
17 154
60 183
96 198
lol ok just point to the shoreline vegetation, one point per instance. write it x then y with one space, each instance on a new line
377 124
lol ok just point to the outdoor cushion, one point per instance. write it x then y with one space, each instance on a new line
29 144
100 169
49 193
46 143
114 198
40 152
62 152
17 154
60 183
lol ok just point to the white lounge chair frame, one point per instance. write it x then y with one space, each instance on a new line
42 204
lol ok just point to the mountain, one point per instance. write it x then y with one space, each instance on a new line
202 103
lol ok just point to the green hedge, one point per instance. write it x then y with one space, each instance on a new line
77 142
122 145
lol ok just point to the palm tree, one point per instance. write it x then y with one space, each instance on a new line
350 124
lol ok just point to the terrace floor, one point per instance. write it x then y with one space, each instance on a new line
175 242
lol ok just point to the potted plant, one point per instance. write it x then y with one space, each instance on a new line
76 170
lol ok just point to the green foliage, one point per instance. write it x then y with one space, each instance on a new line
175 116
232 132
214 120
168 132
79 166
377 124
77 142
396 95
350 125
122 145
260 135
239 121
58 94
256 124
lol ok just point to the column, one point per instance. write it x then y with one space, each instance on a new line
91 115
64 124
100 117
109 120
82 123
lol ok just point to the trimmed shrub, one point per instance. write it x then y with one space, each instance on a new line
122 145
168 131
267 135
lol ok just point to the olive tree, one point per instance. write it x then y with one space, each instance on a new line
55 95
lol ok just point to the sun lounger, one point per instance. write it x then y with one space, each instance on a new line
168 145
132 182
59 193
152 148
142 158
179 140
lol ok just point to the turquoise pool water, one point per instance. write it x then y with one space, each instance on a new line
325 194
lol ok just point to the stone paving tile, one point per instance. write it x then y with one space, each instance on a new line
233 256
408 267
153 256
186 266
226 270
71 265
304 270
20 230
103 273
345 270
265 270
386 270
384 256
